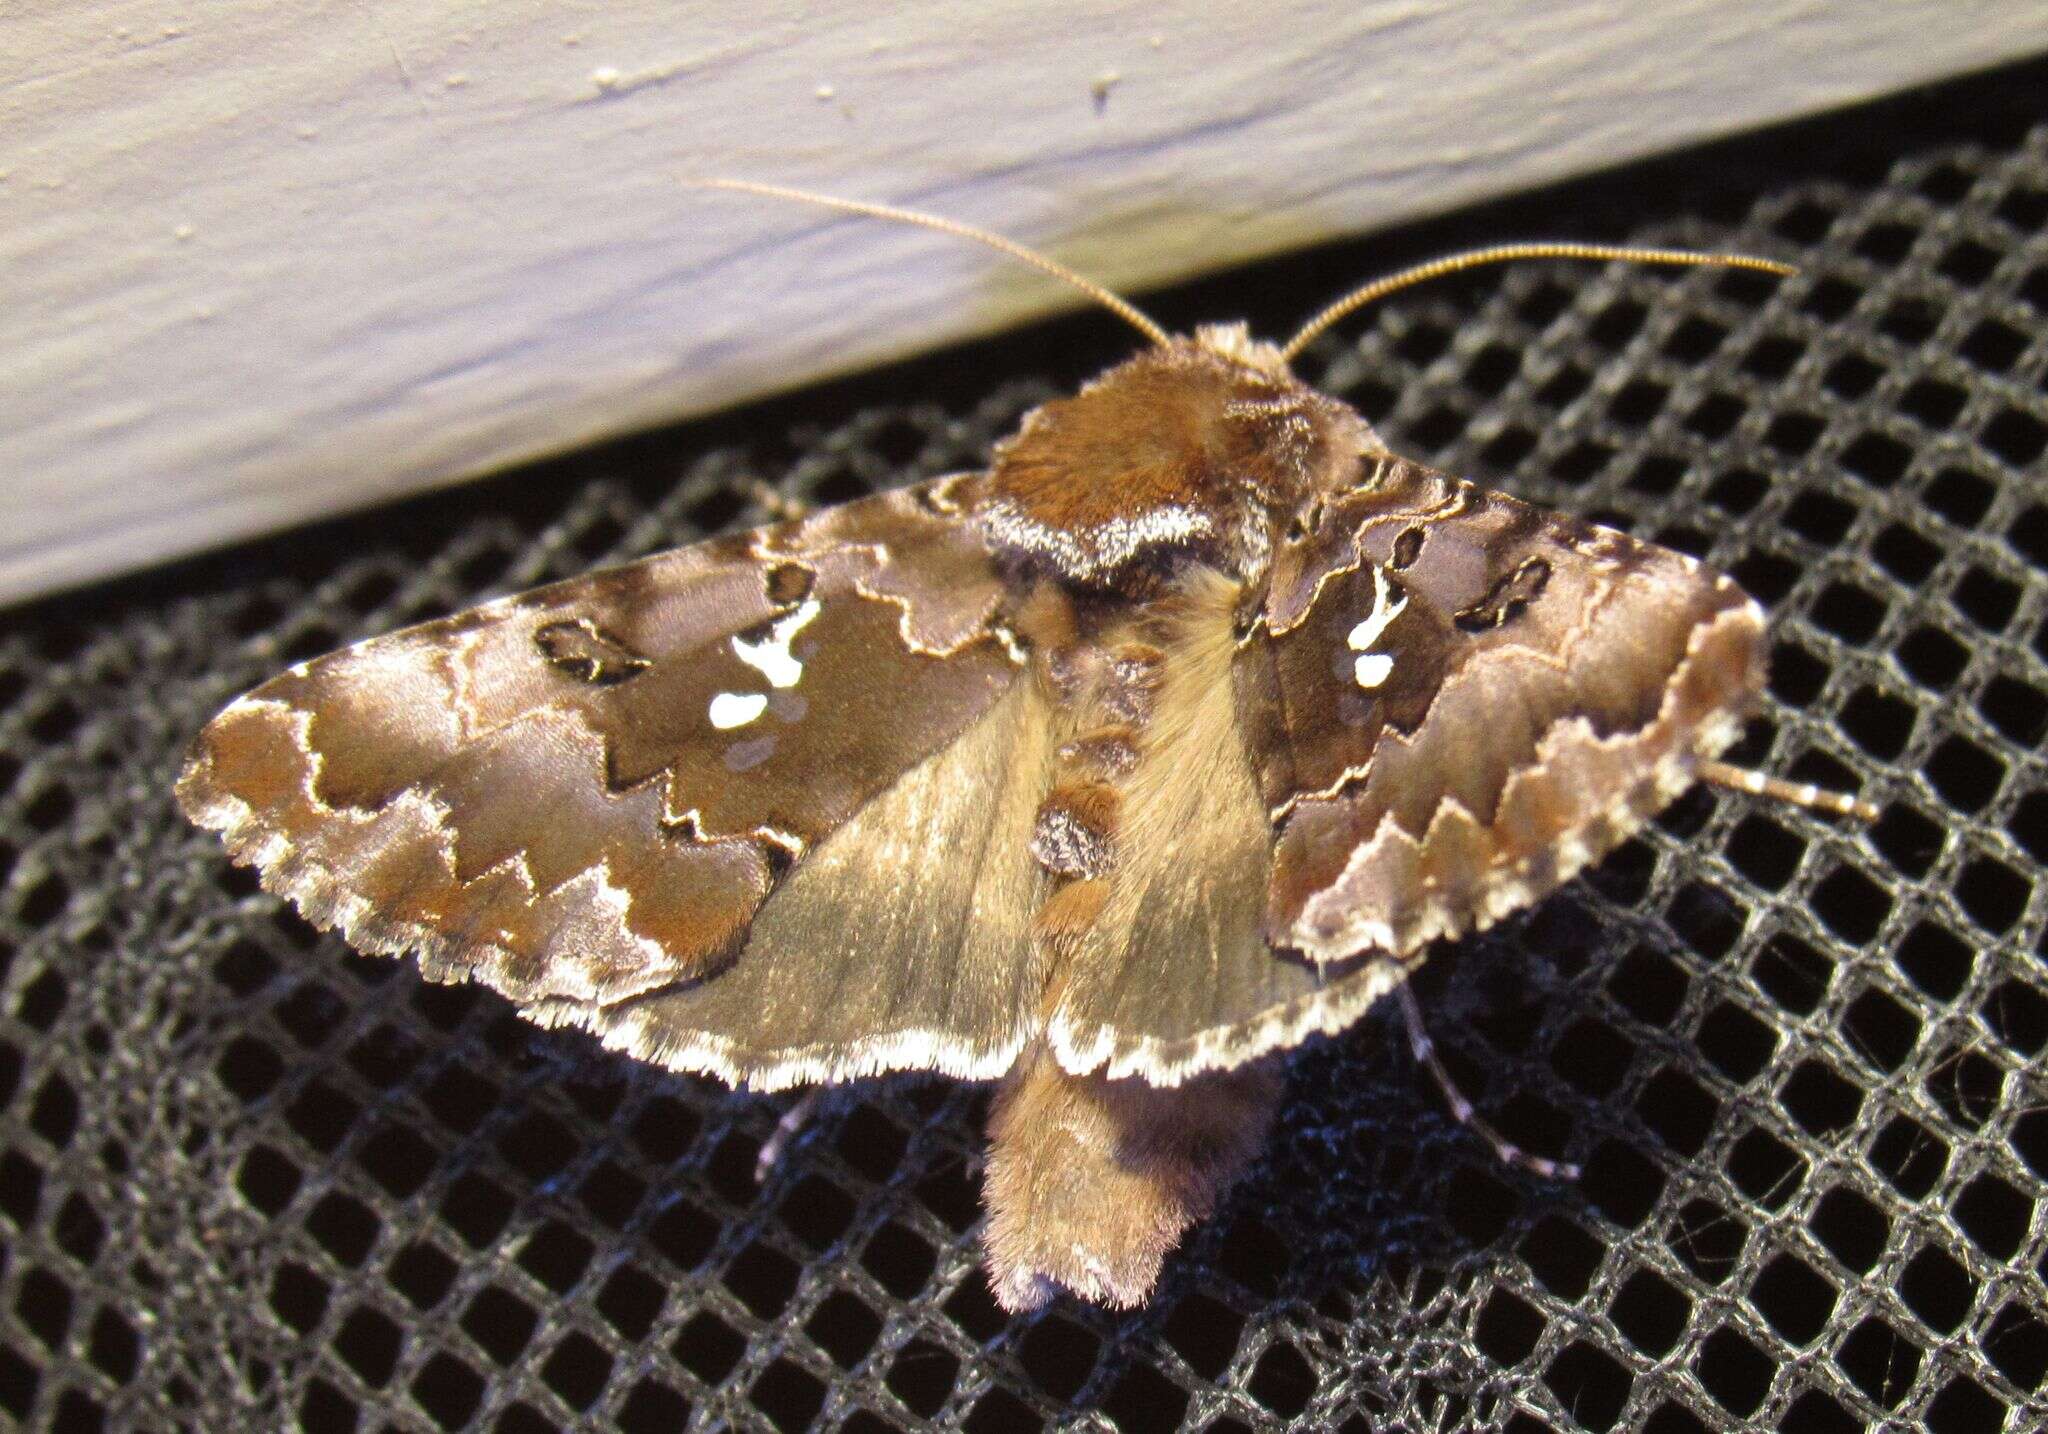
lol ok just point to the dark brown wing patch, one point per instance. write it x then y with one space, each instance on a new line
539 793
1511 694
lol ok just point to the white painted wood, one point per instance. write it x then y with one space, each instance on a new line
264 261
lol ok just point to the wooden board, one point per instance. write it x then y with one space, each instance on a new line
269 261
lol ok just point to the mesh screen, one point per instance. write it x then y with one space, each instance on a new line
250 1180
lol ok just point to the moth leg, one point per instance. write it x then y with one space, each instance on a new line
793 1120
1799 794
777 504
1505 1150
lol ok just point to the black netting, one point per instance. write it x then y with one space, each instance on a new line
249 1180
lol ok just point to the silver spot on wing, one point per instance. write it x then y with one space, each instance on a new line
1373 668
736 709
771 656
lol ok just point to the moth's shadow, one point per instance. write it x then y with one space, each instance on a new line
1374 1227
1368 1169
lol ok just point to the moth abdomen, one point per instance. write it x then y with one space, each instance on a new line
1130 681
1108 752
1068 912
1075 835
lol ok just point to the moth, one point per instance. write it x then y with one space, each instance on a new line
1108 774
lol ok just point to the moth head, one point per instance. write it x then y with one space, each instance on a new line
1199 450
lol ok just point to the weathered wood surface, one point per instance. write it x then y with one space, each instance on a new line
269 261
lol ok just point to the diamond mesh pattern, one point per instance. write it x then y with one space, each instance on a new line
250 1180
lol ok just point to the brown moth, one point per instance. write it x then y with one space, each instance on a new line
1106 774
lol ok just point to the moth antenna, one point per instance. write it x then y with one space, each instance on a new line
1504 1150
1799 794
1504 253
1121 307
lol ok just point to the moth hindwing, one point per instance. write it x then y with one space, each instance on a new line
1107 773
